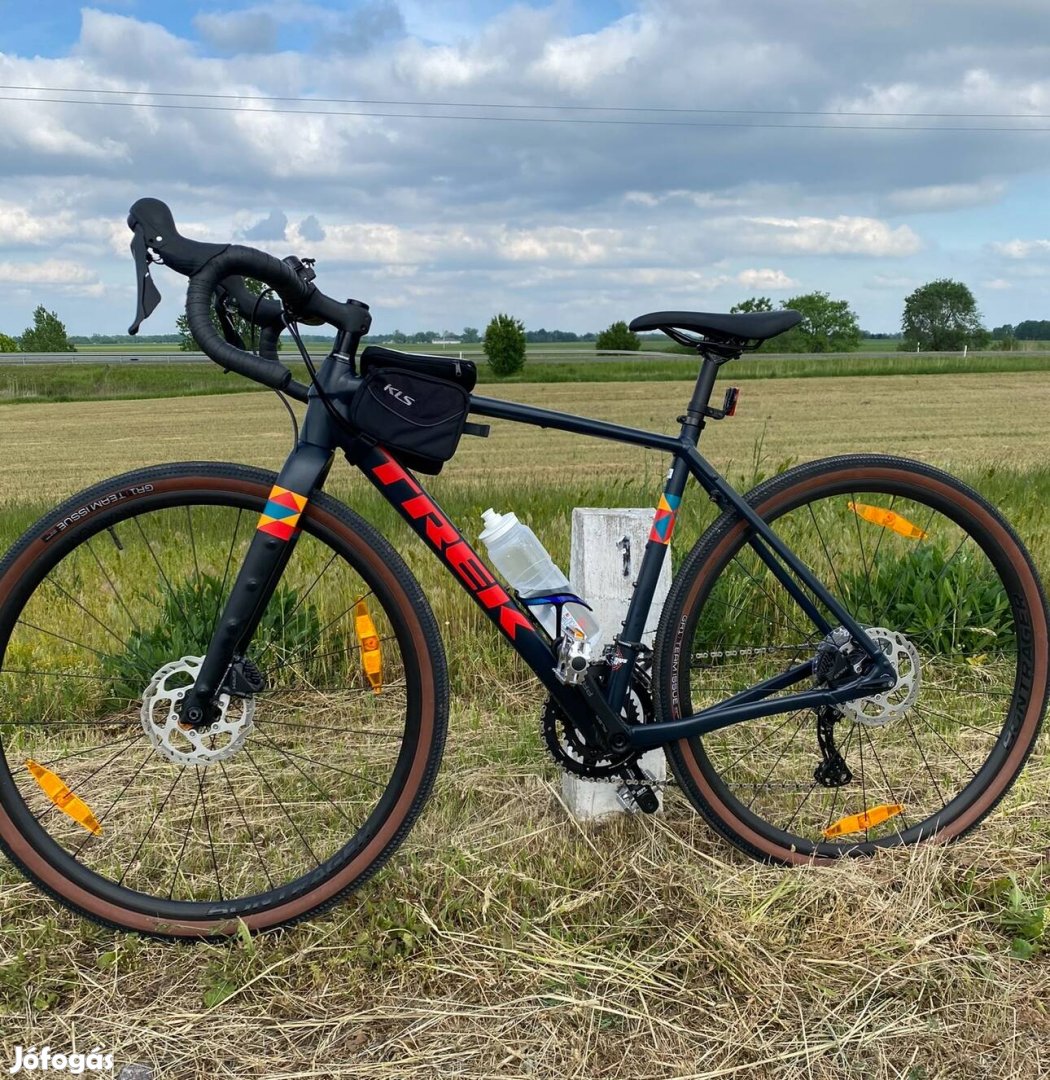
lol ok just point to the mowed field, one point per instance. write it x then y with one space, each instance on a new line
505 941
957 421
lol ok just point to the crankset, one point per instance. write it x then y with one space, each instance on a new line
578 755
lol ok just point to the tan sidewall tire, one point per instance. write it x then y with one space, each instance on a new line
682 757
433 712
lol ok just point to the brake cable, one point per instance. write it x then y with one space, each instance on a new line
293 329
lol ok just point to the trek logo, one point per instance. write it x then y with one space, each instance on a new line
399 394
444 538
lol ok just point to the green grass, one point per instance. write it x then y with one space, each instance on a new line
88 381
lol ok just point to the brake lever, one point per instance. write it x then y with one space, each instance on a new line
148 295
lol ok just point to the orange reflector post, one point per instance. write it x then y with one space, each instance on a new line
888 520
371 655
862 822
55 789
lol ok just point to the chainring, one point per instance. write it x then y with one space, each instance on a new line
569 747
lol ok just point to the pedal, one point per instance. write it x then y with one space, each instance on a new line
638 797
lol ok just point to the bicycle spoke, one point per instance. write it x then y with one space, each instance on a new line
156 818
248 829
306 776
886 780
772 768
925 761
207 826
284 809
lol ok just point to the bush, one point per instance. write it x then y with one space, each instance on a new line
617 338
287 632
504 345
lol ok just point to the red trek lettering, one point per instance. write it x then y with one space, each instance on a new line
459 555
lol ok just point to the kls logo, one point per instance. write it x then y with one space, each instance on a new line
399 394
27 1058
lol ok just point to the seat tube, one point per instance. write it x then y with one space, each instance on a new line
627 642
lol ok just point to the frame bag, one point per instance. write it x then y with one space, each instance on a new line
414 406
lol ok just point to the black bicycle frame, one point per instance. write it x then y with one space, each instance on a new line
306 468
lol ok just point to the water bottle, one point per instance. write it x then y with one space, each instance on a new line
518 555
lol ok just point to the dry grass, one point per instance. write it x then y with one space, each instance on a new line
506 942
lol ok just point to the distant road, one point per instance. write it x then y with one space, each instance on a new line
555 356
103 358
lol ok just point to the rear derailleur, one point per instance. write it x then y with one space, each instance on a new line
832 771
831 666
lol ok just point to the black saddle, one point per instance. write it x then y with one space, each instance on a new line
749 326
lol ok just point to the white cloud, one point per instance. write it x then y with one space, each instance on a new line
251 31
766 279
998 284
567 220
843 235
702 200
934 197
48 272
19 225
1022 249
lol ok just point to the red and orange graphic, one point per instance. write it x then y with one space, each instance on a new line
281 516
663 522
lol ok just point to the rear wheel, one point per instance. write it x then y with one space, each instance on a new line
297 794
941 583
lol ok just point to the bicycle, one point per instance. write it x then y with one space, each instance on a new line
225 698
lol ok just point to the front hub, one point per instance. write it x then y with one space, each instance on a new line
184 743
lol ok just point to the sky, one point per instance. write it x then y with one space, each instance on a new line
571 163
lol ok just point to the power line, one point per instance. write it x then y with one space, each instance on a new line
506 105
594 121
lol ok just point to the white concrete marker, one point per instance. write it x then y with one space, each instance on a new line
596 571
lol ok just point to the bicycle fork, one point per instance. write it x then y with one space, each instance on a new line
276 536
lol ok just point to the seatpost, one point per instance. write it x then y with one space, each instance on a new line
692 420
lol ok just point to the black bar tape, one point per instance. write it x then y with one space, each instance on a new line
240 261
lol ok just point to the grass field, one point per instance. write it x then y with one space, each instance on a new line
505 942
32 384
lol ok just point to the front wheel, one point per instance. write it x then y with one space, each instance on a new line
940 582
302 787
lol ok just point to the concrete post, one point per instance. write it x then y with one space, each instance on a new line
604 544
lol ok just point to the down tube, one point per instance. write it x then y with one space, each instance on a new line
400 488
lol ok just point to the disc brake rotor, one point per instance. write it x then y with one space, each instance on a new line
179 742
878 710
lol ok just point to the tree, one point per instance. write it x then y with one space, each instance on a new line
941 315
617 338
243 326
753 303
827 325
470 335
1032 330
504 344
8 344
47 334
